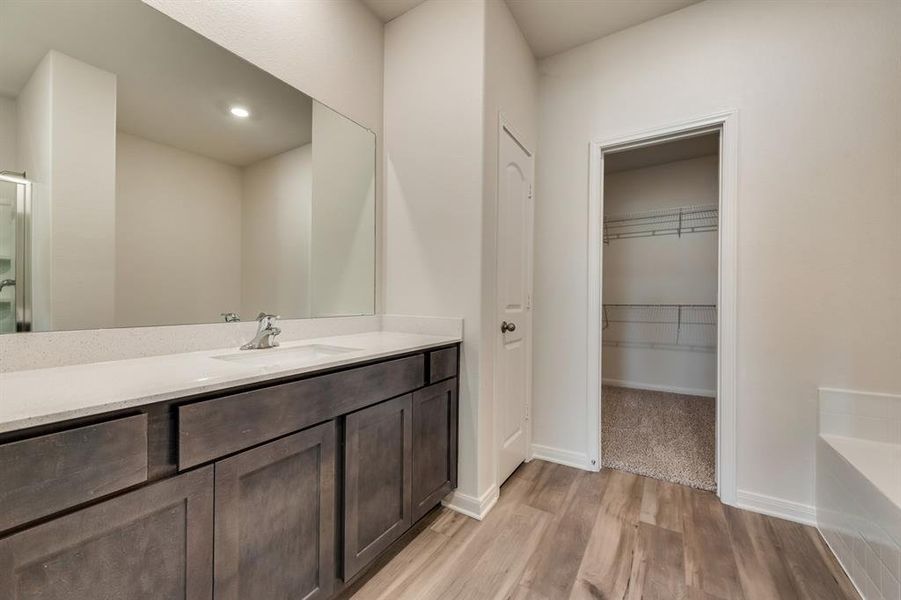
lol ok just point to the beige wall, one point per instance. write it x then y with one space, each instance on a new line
450 67
70 107
219 238
662 270
342 249
8 126
83 127
817 87
433 184
275 235
178 235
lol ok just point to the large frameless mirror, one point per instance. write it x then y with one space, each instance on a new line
151 177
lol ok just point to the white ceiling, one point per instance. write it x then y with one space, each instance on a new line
174 86
553 26
666 152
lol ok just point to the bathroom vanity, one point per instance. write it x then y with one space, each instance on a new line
279 485
150 195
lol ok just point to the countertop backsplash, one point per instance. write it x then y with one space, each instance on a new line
20 352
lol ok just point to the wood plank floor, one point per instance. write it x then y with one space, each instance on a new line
559 533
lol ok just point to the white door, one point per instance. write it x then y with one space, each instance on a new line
514 289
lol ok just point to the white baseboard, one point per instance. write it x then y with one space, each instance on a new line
569 458
637 385
472 506
777 507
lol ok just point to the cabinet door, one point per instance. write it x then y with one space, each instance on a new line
155 542
378 463
275 519
434 445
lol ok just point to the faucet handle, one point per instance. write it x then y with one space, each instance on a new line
266 320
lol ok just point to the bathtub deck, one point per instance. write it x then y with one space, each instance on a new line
878 462
858 511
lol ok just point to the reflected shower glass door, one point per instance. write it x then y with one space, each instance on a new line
14 212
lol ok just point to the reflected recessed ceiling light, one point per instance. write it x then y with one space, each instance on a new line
239 111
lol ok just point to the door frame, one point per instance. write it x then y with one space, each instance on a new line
726 122
504 125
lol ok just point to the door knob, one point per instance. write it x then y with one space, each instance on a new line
505 327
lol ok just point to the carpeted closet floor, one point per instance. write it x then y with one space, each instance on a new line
661 435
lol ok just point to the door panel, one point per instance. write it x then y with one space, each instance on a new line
434 445
512 210
275 519
513 370
377 480
155 542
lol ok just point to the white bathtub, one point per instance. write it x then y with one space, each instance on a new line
858 487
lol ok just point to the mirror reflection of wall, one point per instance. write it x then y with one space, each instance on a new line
171 180
229 233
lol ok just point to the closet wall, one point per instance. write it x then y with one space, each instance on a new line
667 269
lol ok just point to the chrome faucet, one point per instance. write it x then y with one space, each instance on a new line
266 332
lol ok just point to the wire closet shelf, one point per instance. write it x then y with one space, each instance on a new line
668 221
675 326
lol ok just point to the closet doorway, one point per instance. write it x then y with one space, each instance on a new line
725 125
659 309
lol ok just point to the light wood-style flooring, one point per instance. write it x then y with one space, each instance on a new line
558 533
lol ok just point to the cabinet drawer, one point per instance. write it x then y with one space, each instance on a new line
442 364
49 473
211 429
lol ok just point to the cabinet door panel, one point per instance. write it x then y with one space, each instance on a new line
155 542
377 480
275 519
434 445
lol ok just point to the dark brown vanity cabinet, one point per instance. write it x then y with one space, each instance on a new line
268 491
378 462
275 519
155 542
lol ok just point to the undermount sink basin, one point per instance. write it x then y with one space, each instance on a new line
285 356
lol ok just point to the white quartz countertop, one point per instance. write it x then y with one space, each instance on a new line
41 396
